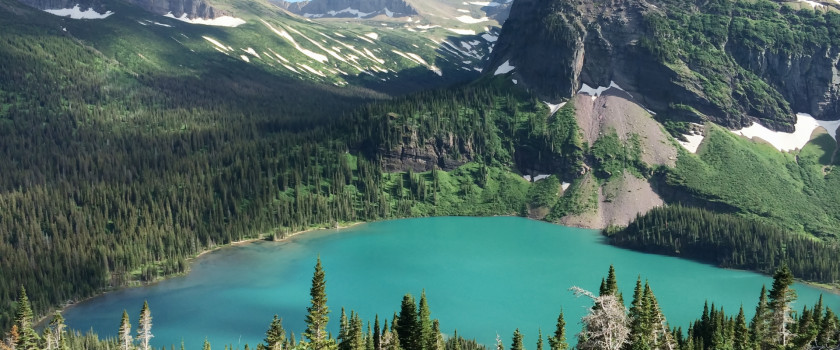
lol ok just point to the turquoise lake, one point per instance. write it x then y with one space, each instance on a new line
482 276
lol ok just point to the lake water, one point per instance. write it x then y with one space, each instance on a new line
482 276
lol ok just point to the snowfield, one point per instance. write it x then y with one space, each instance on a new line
805 125
471 20
77 13
504 68
224 21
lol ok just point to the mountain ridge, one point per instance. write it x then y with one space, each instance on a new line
642 46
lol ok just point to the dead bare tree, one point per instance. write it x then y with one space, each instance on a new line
606 327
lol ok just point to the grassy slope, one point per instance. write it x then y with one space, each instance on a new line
790 189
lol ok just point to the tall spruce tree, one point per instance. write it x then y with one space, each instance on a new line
781 297
516 342
144 328
318 312
27 338
126 342
760 324
427 338
558 340
275 336
408 326
539 339
377 336
639 325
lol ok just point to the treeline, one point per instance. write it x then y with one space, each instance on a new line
609 325
729 241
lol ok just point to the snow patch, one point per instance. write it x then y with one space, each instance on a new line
814 4
388 13
554 107
215 42
245 58
471 20
224 21
694 140
565 186
463 11
485 3
252 52
535 178
285 35
462 31
77 13
490 37
805 125
349 10
373 36
514 81
504 68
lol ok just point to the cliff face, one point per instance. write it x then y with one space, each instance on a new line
192 8
730 75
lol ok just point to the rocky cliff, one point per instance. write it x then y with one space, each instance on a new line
724 61
192 8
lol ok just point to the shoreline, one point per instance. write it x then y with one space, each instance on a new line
40 322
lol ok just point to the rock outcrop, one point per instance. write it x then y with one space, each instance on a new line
192 8
559 45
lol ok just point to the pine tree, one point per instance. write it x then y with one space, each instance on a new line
457 340
516 342
759 326
369 338
56 331
438 343
539 339
206 345
318 312
144 329
407 326
427 339
124 334
377 336
27 338
275 336
356 336
639 327
558 341
781 297
343 331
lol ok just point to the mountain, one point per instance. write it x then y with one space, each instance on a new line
730 62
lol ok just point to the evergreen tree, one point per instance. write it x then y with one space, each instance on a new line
377 336
369 338
639 325
27 338
57 330
144 328
407 326
781 296
275 336
438 343
759 326
343 331
427 338
539 339
457 340
124 334
206 345
558 341
516 342
318 312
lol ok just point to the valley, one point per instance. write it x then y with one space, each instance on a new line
136 135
